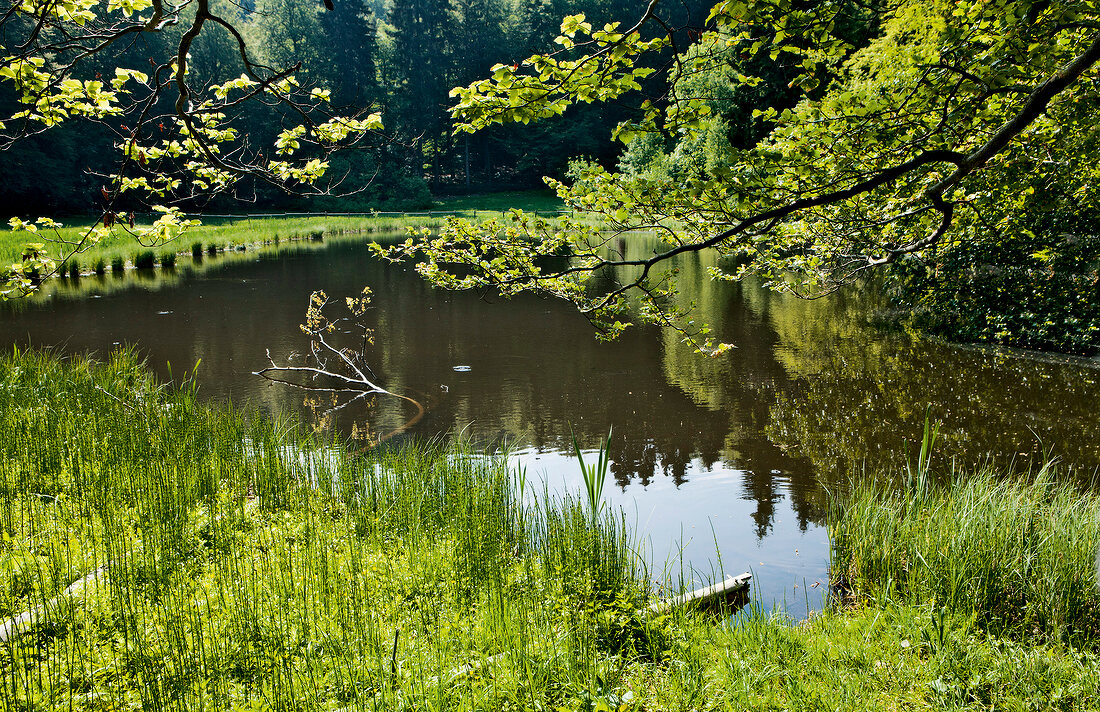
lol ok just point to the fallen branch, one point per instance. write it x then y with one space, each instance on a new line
731 592
347 374
20 624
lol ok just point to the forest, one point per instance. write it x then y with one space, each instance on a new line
399 58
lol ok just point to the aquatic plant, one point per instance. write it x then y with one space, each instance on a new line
594 476
229 560
1017 555
145 259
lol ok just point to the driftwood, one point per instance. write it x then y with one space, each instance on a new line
348 372
17 625
730 593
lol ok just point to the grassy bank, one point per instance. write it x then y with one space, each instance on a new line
1019 558
219 234
121 251
235 564
240 565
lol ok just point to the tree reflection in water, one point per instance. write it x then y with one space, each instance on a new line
810 396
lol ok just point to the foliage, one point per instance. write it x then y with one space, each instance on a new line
216 102
176 127
1037 291
196 136
809 142
952 126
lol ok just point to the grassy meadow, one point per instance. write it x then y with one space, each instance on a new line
217 234
228 561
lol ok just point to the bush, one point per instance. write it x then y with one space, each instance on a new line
145 260
1034 292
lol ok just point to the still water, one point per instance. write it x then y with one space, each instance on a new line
720 464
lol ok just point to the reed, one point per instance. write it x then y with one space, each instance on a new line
146 259
242 563
1018 555
594 476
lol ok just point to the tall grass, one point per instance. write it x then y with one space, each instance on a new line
237 564
1019 556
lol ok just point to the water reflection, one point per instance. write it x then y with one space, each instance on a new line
858 397
732 454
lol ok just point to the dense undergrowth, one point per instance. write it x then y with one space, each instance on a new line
1037 291
242 566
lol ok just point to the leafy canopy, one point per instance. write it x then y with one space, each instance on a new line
951 125
178 138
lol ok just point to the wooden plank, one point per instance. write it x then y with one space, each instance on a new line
17 625
733 591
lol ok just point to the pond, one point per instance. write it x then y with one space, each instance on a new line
719 463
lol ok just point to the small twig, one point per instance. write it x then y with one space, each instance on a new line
115 398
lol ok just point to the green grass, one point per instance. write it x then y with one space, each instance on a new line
1018 556
216 234
246 566
881 657
542 201
121 279
219 234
